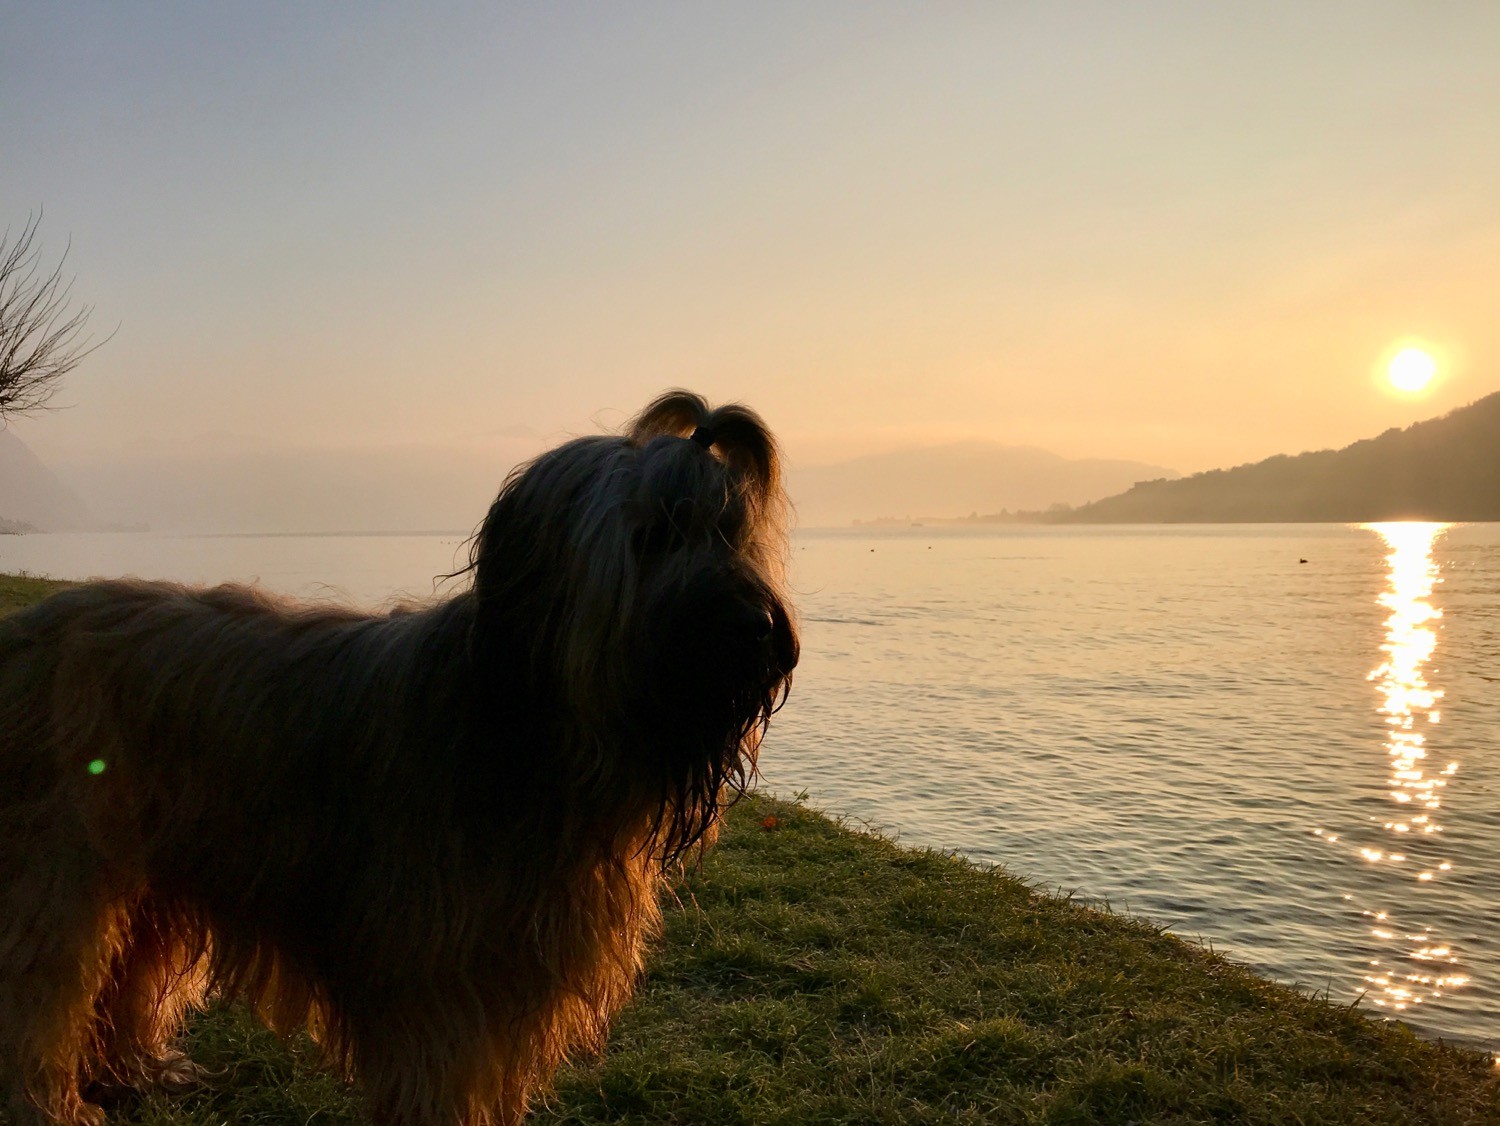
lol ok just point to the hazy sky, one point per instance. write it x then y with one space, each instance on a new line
358 248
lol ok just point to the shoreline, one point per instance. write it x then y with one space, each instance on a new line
1033 1006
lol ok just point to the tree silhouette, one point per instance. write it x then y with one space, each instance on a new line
39 335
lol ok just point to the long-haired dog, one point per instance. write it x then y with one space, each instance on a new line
435 837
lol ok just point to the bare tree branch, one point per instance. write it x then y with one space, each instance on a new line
39 336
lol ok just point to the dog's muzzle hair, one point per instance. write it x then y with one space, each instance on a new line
435 837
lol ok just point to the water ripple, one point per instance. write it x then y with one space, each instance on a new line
1185 722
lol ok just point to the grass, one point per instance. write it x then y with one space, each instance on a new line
21 590
814 973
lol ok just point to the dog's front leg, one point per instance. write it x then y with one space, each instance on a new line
428 1060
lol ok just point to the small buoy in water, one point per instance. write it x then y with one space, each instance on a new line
1302 561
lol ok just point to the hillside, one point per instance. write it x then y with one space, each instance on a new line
1445 468
953 481
32 497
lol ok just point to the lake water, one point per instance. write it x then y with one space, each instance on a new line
1297 762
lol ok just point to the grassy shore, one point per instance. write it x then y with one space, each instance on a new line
815 973
22 590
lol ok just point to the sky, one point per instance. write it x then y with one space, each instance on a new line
359 259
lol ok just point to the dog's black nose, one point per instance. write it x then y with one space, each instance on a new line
779 641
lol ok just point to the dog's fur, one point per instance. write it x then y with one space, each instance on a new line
434 837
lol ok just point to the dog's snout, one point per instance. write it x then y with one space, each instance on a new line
753 622
774 637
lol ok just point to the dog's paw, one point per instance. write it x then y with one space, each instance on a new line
171 1073
174 1073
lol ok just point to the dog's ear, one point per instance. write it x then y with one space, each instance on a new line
675 414
735 433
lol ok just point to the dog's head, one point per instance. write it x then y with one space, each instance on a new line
635 585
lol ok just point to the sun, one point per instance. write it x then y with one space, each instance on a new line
1411 370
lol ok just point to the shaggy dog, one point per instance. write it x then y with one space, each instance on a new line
435 838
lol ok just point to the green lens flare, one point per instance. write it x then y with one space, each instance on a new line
97 766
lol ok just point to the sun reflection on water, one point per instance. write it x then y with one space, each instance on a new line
1409 701
1418 966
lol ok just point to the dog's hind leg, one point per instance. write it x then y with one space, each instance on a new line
59 931
155 979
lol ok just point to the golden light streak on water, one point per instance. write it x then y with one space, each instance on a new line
1408 704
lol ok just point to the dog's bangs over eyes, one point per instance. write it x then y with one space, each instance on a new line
714 615
684 498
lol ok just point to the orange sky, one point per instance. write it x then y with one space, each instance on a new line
427 244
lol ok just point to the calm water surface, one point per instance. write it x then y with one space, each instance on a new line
1294 761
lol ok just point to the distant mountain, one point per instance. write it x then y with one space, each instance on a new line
1446 468
31 495
954 481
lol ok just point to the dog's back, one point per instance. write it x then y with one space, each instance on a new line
199 784
170 720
